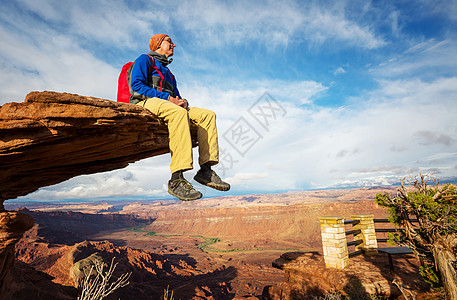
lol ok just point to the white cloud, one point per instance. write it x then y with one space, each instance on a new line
27 66
393 171
113 23
48 10
231 102
426 137
241 178
109 22
424 60
325 24
241 22
338 71
440 156
394 23
308 145
117 183
447 8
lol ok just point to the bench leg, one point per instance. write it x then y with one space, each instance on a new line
391 265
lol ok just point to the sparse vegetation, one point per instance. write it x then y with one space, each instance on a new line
206 245
434 239
137 228
96 284
167 295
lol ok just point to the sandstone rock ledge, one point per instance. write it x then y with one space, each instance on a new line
52 137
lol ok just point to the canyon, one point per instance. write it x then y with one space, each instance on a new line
234 247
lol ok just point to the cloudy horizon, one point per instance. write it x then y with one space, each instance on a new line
328 94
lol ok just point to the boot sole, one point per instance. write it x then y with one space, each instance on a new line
213 185
182 198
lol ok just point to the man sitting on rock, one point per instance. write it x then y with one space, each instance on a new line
154 87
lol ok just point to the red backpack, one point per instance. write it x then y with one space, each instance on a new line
123 84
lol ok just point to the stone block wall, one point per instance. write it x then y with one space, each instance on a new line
368 235
334 242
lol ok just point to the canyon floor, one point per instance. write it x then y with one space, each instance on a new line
217 248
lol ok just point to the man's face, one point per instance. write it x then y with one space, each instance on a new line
167 47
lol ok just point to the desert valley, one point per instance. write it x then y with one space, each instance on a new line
216 248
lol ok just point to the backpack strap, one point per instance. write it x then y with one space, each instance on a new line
162 77
128 75
152 64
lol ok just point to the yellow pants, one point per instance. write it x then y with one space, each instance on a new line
177 120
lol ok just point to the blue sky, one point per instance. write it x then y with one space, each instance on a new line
309 94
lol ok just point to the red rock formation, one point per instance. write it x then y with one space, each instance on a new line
295 223
29 283
307 276
52 137
151 273
77 226
12 227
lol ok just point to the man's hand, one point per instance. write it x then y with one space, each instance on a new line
178 101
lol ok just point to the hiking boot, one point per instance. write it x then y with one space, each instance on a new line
183 190
211 179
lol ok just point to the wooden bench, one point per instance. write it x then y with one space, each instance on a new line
394 251
390 250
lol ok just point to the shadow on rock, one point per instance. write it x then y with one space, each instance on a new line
306 277
151 273
28 283
212 285
68 228
177 258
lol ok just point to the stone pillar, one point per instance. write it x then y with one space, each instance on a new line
334 242
368 235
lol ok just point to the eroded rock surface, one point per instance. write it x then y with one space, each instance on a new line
12 227
51 137
307 276
151 273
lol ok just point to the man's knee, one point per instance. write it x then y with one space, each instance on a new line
182 112
209 114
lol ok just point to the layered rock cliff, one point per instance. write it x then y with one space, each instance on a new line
265 226
52 137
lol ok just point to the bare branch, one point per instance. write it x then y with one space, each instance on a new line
97 286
